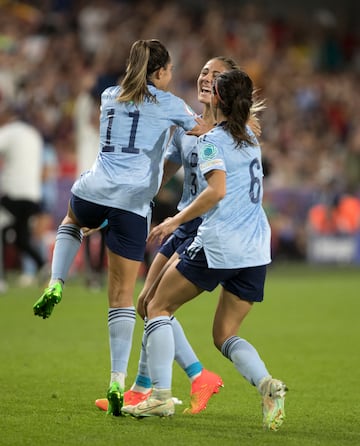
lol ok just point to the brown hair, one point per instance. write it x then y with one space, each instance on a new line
146 57
234 90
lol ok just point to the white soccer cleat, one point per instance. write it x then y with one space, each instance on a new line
273 400
177 402
151 408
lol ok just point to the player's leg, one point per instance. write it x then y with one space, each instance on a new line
141 388
126 240
156 271
67 244
122 275
172 291
184 353
204 383
230 313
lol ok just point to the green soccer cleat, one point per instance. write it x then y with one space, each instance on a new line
115 397
45 305
273 400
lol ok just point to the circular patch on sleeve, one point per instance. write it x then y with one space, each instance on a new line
208 152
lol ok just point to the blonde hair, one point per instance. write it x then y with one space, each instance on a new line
256 107
146 57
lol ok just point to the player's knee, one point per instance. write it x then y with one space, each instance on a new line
219 338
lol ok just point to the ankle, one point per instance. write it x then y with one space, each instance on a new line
161 394
140 389
55 281
118 377
263 384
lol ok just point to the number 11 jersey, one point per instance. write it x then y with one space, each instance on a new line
128 169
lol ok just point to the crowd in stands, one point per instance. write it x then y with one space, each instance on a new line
306 67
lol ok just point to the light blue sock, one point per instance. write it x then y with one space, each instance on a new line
121 322
143 377
245 358
160 350
184 354
67 244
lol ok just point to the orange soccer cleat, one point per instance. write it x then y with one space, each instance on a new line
202 388
102 404
131 398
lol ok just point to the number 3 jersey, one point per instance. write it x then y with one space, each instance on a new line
236 232
182 151
129 166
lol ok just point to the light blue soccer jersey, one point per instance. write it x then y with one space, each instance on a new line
236 232
128 170
182 150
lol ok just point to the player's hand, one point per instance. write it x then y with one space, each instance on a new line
201 128
160 232
86 232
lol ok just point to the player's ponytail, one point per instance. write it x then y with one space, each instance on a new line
234 90
146 57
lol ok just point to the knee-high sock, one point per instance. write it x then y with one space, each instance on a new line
121 323
184 356
67 244
142 379
245 358
160 350
184 353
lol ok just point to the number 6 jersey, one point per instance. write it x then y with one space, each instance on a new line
236 232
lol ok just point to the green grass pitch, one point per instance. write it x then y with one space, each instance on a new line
306 330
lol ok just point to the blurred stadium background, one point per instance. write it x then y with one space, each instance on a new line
57 56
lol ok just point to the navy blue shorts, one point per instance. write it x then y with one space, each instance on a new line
125 233
175 244
180 239
246 283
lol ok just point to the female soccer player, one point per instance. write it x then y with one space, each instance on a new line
231 248
134 126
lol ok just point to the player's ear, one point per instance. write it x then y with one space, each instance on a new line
214 100
158 73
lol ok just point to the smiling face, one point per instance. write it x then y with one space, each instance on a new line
207 75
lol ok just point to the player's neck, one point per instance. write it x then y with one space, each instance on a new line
208 116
